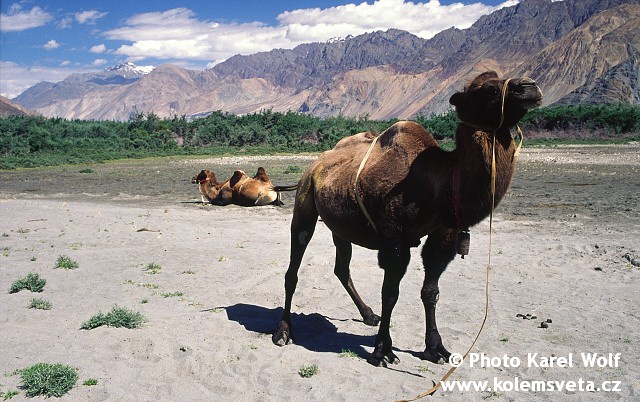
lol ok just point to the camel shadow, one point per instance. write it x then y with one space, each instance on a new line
313 332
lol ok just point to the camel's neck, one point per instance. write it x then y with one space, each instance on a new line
471 176
211 189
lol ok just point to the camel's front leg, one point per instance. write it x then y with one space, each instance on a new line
437 252
394 261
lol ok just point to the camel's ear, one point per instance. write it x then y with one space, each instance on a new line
456 98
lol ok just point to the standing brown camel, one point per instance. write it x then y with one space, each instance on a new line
240 189
385 193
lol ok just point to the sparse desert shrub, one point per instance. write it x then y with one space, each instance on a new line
117 317
40 304
308 371
90 381
48 379
152 268
32 282
65 262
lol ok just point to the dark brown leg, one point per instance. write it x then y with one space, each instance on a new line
394 261
343 258
437 253
303 224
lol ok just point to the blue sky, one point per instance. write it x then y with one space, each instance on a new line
50 40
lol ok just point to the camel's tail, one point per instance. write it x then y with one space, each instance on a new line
279 189
292 187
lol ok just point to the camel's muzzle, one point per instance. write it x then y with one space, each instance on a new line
526 91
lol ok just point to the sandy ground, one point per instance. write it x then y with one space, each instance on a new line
563 245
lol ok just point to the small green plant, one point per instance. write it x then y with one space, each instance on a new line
348 353
31 282
188 272
34 258
308 371
5 234
64 262
90 381
8 395
48 379
152 268
40 304
87 170
425 369
144 301
5 251
505 338
118 317
172 294
292 169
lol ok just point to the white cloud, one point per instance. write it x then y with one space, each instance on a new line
178 34
52 44
16 78
101 48
65 23
18 20
89 17
99 62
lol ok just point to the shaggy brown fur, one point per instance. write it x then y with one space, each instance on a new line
240 189
212 191
411 188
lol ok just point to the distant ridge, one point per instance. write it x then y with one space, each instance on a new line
577 50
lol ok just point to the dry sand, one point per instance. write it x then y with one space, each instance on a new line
563 243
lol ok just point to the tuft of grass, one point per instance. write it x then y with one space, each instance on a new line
64 262
174 294
48 379
90 381
40 304
152 268
118 317
292 169
31 282
8 395
308 371
348 353
86 170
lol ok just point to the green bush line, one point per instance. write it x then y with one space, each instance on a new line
32 141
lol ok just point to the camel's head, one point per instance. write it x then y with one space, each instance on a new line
203 176
480 104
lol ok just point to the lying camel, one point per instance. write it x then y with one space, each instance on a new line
212 191
240 189
386 192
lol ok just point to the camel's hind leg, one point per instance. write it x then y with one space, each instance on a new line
343 258
437 253
303 224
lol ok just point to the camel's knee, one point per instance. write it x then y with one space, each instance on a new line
430 295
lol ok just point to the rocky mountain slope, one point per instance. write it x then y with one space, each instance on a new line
577 50
9 108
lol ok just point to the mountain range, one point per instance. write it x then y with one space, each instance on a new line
584 51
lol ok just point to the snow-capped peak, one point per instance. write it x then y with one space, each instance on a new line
130 68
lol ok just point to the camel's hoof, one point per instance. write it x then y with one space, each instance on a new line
441 356
282 336
436 357
381 361
372 320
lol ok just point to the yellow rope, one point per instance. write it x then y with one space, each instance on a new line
488 271
355 184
